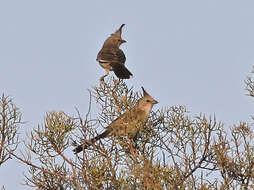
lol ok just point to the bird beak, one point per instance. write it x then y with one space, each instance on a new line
155 102
123 41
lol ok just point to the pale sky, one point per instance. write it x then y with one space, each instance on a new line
194 53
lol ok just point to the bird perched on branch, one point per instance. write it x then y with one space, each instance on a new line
112 58
128 124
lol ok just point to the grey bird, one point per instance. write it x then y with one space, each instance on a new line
128 124
112 58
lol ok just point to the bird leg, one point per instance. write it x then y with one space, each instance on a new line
102 78
116 82
132 150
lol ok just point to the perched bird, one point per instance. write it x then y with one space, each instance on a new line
128 124
112 58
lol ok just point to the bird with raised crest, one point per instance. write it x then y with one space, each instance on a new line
112 58
128 124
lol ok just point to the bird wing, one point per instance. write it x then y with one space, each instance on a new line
128 123
115 58
111 55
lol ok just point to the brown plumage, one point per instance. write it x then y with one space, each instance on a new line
112 58
128 124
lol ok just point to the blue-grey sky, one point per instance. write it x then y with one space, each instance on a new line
195 53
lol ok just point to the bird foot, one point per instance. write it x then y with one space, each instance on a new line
118 109
116 82
102 80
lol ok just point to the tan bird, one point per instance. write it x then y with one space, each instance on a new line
128 124
112 58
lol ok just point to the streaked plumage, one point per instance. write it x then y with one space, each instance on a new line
128 124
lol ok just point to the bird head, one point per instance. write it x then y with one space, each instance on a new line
146 102
115 39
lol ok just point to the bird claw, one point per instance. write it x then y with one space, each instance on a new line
102 80
116 82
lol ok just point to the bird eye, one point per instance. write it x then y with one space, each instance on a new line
147 100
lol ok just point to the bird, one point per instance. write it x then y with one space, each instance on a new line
127 124
112 58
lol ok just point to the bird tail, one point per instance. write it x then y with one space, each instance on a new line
85 145
121 71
